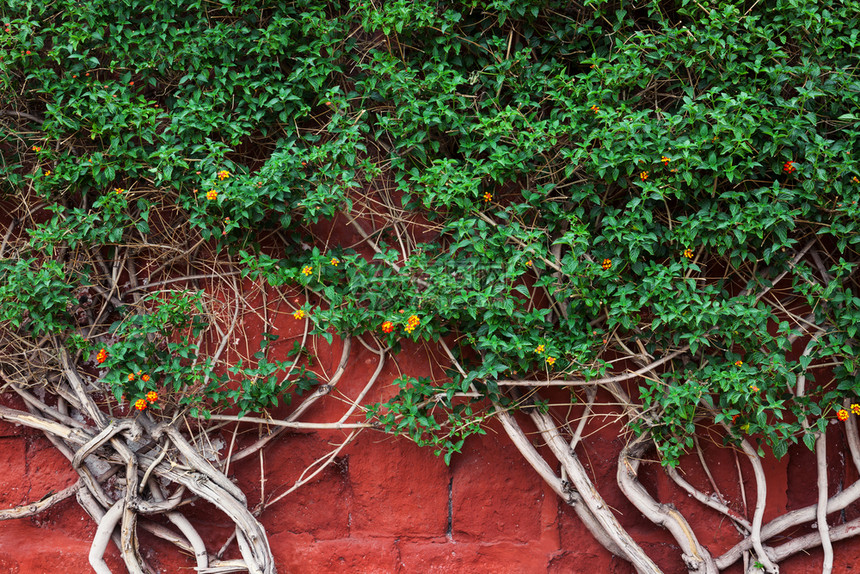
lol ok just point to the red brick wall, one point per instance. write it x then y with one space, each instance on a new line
389 506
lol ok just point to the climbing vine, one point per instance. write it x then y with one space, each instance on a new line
652 205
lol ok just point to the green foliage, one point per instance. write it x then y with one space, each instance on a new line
35 295
604 181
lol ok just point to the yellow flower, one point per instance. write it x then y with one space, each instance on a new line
550 360
539 349
842 415
334 261
688 253
488 197
211 195
412 322
855 408
48 173
223 174
643 176
299 314
529 263
739 363
307 270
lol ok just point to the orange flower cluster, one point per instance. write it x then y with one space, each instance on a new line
842 415
299 314
607 264
488 197
595 109
855 408
739 363
335 261
665 160
223 174
151 398
789 167
211 195
307 270
688 253
539 349
101 357
550 361
412 322
387 327
643 176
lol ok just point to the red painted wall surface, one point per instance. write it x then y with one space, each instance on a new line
389 506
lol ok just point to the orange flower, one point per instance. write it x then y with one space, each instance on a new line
688 253
739 363
607 263
387 327
529 263
643 176
211 195
334 261
665 160
550 361
855 408
412 322
842 415
223 174
789 167
539 349
145 378
152 396
488 197
118 190
300 314
307 270
131 377
140 404
102 356
594 109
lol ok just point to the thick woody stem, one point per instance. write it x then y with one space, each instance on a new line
821 511
592 499
695 556
560 487
37 507
707 500
836 503
103 534
760 501
184 526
